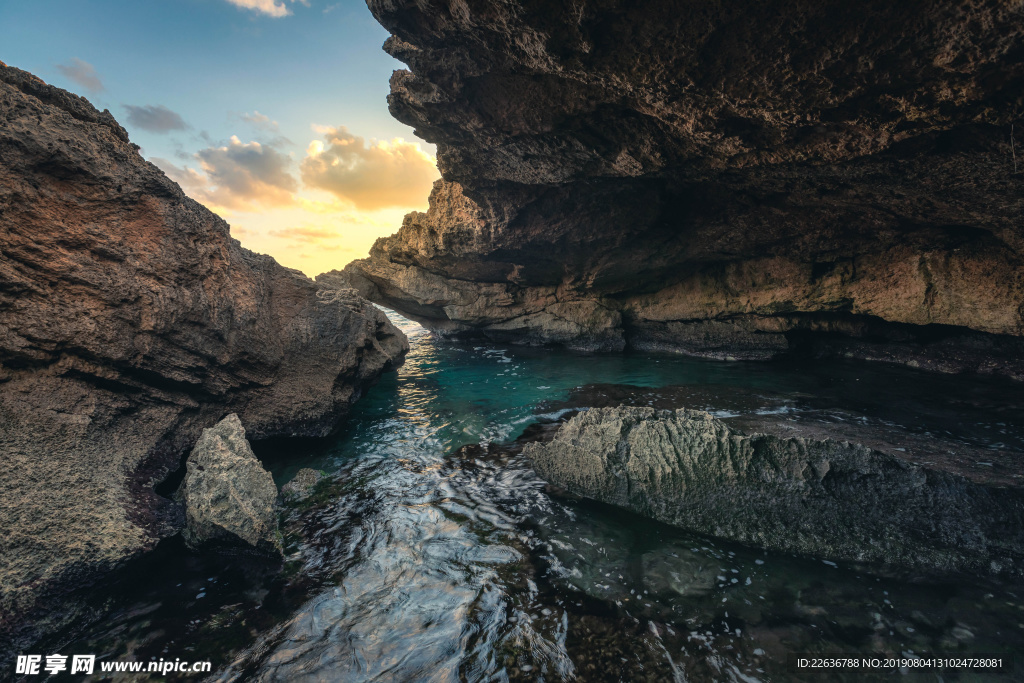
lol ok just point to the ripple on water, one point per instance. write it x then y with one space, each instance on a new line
436 554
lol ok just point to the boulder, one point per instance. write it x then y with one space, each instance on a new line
229 498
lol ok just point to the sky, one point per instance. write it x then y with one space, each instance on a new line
272 113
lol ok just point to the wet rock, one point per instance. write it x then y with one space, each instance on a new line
726 180
824 498
229 498
683 574
302 484
969 426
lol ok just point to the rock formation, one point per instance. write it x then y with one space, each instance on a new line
129 320
228 496
829 499
301 485
726 179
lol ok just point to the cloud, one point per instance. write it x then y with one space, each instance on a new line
155 118
238 231
191 181
260 121
249 171
308 234
323 238
319 238
375 176
83 73
271 131
239 176
271 8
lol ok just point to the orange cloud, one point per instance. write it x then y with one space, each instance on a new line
307 234
375 176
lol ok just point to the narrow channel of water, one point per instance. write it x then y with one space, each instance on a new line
435 553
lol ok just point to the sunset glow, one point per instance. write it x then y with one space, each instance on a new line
272 113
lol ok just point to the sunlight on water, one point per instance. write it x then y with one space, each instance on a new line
421 562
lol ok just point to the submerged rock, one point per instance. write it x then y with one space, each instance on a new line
824 498
728 180
229 498
302 484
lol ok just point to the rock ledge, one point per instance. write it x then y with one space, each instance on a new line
827 499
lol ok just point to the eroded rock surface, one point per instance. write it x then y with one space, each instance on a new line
302 484
825 498
129 320
726 179
229 498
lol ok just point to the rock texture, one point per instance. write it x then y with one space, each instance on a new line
830 499
725 179
129 320
228 496
301 485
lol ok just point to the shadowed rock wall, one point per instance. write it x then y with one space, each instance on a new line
721 178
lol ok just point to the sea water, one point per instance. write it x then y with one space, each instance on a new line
434 553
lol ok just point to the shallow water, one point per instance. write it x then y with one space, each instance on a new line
419 561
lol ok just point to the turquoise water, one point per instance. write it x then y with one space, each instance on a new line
435 553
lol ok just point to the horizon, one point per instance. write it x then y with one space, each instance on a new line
271 113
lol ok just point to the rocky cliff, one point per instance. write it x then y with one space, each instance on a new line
719 178
130 320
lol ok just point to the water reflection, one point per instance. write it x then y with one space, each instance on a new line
435 553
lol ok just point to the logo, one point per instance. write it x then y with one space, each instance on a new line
31 665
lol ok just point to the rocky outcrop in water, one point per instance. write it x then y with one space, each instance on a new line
730 180
228 496
824 498
301 485
129 320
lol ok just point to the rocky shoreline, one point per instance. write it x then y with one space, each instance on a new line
729 180
130 320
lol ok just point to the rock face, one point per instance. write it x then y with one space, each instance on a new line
828 499
725 179
130 319
229 498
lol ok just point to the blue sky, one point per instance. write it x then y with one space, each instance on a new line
230 97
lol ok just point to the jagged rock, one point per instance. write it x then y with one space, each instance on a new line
130 319
229 498
729 180
829 499
302 484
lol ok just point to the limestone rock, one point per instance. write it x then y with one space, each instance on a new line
302 484
228 496
129 320
823 498
728 180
